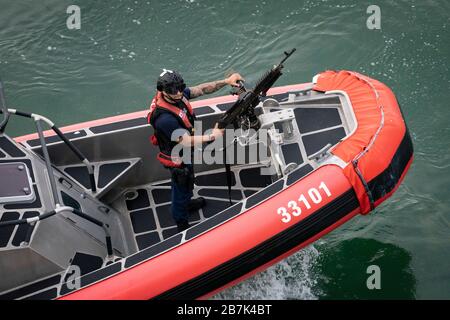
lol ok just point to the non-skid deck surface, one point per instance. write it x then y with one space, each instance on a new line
319 122
150 213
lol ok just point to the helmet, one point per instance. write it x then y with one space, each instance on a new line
170 82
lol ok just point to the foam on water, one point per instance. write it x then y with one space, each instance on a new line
291 278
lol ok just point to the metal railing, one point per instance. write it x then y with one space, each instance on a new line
38 119
3 109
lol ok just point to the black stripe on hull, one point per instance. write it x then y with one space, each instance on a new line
126 124
386 181
266 251
70 135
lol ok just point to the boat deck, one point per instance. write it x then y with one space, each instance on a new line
149 208
318 122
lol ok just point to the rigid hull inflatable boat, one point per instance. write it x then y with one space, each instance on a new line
340 148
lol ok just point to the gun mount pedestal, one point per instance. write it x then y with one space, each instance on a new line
280 129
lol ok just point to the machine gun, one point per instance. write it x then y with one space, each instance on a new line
242 113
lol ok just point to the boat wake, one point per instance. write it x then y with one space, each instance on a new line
291 278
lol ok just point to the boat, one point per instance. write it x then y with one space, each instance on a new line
85 209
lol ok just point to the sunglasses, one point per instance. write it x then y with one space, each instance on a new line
175 89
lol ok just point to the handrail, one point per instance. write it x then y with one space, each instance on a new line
57 210
72 147
48 163
3 109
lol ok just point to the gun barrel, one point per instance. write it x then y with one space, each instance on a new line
244 106
288 54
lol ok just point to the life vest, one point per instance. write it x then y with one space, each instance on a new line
185 117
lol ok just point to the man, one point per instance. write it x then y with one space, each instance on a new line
171 111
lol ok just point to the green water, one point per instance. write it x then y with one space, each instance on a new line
110 65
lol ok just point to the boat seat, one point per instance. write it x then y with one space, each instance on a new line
108 174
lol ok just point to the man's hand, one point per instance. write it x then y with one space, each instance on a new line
233 79
210 87
187 140
217 132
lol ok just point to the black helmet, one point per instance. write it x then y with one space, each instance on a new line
170 82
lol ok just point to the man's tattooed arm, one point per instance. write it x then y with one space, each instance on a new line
208 87
211 87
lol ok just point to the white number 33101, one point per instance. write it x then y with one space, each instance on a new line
314 195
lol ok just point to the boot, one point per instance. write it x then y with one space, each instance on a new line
196 204
183 226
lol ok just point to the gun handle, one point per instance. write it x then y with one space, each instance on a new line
221 125
238 89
